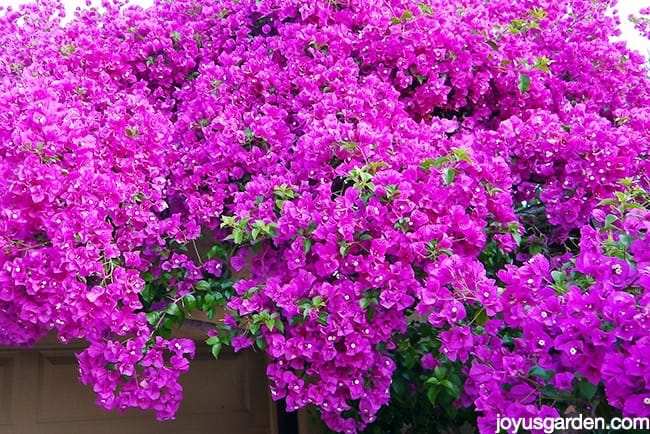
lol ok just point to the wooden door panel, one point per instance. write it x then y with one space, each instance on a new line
6 386
40 394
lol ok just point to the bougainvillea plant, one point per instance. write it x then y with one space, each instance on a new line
440 198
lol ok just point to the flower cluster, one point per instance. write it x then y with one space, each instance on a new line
355 167
573 325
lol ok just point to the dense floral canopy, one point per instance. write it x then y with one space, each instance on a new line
475 164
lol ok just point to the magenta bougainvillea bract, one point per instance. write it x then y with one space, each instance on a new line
353 167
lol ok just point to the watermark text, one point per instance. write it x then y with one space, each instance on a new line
579 422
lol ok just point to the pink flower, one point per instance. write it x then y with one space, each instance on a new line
428 362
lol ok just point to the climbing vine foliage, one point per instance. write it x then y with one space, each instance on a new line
400 199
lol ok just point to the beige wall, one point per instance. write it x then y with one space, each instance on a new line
40 394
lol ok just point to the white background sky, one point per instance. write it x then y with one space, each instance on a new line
625 8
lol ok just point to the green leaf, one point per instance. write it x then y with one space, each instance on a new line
453 390
147 276
216 349
203 285
481 317
432 395
627 182
189 301
410 358
254 328
440 372
607 202
524 83
542 63
237 235
219 299
67 50
622 197
153 317
261 343
559 279
343 248
365 236
212 340
348 146
558 276
461 154
436 162
270 231
322 318
550 391
539 372
168 322
173 310
610 219
587 389
632 205
217 250
406 15
426 164
538 13
492 44
448 175
433 381
425 8
400 387
306 245
447 384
